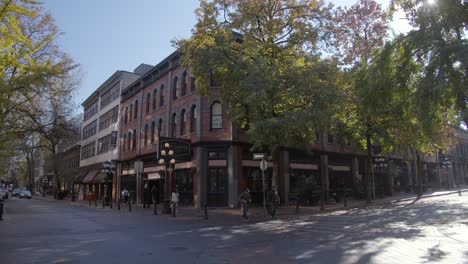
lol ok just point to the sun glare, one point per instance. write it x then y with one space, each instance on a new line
431 2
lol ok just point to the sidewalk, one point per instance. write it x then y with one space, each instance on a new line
256 214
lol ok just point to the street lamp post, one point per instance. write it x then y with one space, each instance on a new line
109 169
379 162
167 160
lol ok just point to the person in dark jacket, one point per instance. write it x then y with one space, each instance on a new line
245 199
273 201
146 196
155 194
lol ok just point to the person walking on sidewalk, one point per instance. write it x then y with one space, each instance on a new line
125 196
245 199
273 201
174 202
155 194
146 196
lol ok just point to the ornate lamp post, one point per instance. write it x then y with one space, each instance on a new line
109 169
379 163
167 159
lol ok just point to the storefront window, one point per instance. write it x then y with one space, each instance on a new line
184 185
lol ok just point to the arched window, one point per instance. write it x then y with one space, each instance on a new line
154 99
134 139
183 90
183 121
136 110
148 98
173 125
131 113
152 132
192 84
160 126
146 134
129 140
161 96
193 119
216 116
126 115
124 141
174 88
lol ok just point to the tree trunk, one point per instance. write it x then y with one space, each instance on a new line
367 180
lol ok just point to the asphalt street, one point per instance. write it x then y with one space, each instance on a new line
429 230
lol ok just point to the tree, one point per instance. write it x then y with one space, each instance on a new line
358 38
30 62
265 55
359 31
438 41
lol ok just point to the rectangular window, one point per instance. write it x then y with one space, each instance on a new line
88 151
90 110
89 130
109 118
110 95
104 144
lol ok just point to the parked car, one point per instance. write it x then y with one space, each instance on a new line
15 193
25 194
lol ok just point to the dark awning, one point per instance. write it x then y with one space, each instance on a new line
100 178
90 176
79 177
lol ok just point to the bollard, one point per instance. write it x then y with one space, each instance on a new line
95 203
1 209
322 206
206 211
110 203
89 200
118 204
174 208
297 206
129 205
103 202
155 208
459 191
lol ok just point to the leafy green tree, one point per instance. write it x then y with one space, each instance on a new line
266 56
358 37
30 64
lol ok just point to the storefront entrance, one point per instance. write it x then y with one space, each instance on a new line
217 187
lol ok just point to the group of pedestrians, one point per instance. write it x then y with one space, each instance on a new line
245 199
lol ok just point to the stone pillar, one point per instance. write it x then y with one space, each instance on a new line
354 171
283 180
233 164
202 174
324 175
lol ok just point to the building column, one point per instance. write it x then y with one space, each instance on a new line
233 164
283 178
354 171
202 174
324 175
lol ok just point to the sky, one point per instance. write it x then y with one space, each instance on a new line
104 36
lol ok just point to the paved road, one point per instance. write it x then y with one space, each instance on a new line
430 230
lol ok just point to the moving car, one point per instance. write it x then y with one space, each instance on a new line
25 194
15 193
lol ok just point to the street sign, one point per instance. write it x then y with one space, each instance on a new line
182 148
259 156
263 165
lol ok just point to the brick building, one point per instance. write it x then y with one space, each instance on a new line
100 129
164 102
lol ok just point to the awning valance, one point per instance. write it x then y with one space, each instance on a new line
90 176
100 178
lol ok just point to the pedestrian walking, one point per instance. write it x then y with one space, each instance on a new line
273 201
155 194
174 202
245 199
125 196
146 196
